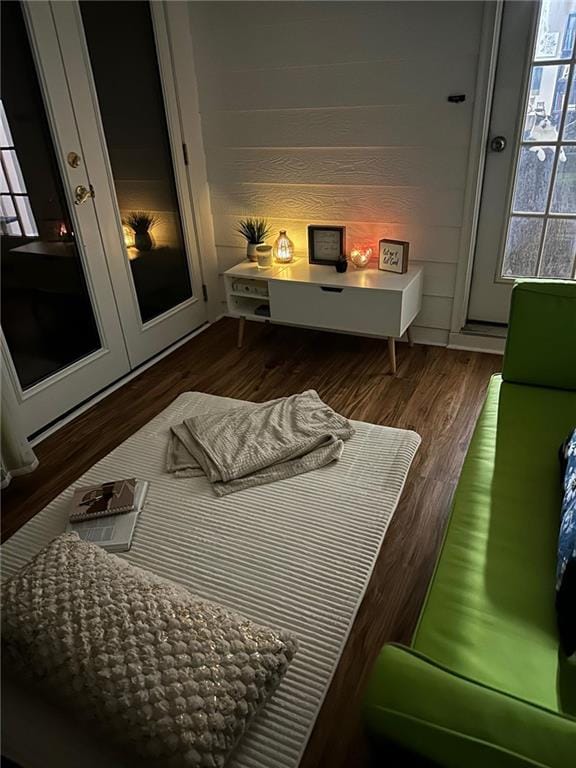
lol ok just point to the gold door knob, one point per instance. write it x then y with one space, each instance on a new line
82 193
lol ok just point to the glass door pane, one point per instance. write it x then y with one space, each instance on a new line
121 44
541 239
47 314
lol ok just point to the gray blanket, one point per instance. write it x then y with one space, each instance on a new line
257 444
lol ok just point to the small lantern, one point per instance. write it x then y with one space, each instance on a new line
283 248
360 256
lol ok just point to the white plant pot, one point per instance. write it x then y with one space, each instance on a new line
251 251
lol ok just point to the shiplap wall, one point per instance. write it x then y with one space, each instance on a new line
321 112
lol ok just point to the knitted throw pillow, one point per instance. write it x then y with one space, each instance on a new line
168 674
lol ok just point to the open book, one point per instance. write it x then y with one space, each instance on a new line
114 533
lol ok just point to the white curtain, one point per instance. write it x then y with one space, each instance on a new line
18 458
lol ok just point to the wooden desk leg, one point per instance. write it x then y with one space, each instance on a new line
392 353
241 325
409 336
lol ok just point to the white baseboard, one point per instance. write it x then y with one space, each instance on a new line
113 387
431 337
493 345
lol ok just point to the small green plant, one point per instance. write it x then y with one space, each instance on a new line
254 230
141 222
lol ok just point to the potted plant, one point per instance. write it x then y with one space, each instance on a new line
141 223
255 231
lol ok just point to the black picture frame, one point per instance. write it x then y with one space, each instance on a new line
339 255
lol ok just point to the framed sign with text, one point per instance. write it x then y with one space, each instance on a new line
393 256
326 245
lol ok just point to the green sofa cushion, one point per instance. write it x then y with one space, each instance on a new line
489 614
541 343
458 722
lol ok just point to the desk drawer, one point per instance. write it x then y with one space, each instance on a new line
358 310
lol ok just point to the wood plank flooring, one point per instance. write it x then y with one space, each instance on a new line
437 392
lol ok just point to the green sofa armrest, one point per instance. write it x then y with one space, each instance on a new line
457 722
541 343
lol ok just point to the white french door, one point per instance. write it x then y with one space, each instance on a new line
100 266
128 117
61 335
527 225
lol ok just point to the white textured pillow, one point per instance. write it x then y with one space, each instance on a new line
169 674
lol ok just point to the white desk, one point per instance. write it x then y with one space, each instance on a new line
366 302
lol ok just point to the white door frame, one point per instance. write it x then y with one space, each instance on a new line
58 393
487 62
458 338
178 22
143 340
490 292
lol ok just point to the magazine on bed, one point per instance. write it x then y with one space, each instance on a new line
106 514
105 499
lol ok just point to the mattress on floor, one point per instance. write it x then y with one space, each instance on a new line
296 554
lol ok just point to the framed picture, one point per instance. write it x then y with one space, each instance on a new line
393 256
326 245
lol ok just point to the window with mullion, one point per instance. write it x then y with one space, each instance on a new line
541 234
16 216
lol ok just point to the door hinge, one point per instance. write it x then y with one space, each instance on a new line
204 292
185 152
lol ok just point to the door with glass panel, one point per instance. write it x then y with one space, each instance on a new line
61 335
128 117
527 225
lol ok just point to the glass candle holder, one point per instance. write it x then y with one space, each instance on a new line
360 256
283 248
264 255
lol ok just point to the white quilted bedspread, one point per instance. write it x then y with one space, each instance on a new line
296 554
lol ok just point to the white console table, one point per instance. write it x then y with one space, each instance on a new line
366 302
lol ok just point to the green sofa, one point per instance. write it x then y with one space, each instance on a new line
484 684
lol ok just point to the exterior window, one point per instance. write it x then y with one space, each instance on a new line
541 237
16 216
569 36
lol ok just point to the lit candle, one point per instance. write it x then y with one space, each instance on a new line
360 256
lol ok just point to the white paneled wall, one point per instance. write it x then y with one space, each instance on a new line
321 112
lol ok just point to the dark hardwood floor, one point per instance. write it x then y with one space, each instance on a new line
437 392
